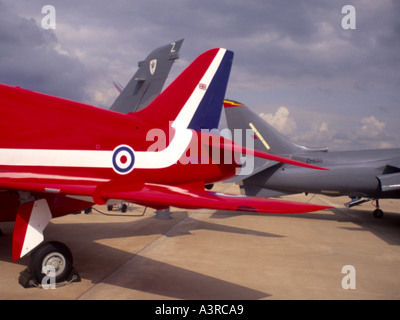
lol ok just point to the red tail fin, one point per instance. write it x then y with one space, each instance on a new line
195 98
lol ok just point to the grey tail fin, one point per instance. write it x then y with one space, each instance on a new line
266 138
149 79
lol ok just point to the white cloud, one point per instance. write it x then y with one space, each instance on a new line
369 133
281 120
316 135
371 128
323 127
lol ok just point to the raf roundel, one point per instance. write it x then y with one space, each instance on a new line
123 159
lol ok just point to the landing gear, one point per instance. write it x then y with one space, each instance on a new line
51 260
123 207
51 254
378 213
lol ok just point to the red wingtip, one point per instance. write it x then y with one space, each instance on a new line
269 156
274 157
227 144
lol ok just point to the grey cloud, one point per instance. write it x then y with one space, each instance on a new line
28 58
287 53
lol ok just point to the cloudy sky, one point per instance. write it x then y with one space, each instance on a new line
316 82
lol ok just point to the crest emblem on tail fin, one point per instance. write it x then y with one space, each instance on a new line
153 66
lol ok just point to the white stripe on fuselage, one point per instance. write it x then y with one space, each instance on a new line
183 135
56 158
103 159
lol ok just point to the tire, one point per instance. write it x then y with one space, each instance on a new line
378 213
55 254
88 210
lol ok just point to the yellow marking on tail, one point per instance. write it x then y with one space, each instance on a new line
258 134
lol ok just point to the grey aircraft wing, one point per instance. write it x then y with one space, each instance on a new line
390 181
149 79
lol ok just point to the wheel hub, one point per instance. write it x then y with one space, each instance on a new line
55 260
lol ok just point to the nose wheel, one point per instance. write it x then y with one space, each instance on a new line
378 213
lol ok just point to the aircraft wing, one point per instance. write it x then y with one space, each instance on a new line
162 196
153 195
148 81
390 182
22 181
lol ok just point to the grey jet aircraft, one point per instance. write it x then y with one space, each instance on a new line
362 175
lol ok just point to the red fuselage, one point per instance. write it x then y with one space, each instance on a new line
57 139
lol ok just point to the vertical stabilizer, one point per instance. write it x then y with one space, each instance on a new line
149 79
266 138
195 99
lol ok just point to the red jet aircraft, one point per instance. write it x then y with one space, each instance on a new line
58 156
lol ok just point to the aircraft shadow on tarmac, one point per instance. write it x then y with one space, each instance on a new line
386 228
192 224
98 262
163 279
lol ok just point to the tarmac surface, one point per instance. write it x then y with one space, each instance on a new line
221 255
